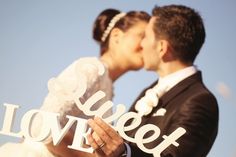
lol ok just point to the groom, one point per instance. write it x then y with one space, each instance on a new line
173 39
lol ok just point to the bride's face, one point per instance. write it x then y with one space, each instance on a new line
130 50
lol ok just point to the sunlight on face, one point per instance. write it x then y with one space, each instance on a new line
130 46
149 43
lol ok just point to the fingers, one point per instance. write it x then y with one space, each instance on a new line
101 135
94 145
92 142
106 127
109 131
99 141
105 138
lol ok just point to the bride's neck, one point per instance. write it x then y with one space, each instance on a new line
115 68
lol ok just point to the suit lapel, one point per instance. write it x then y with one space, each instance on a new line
163 102
173 92
181 86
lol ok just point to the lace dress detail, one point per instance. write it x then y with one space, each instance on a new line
25 149
60 100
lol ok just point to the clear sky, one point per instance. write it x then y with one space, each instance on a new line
38 39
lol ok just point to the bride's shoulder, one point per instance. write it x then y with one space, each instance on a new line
84 65
89 65
88 59
85 61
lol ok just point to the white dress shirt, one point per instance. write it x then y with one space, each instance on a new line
171 80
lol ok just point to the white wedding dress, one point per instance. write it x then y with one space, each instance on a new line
60 100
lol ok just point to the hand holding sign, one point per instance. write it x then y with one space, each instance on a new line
105 140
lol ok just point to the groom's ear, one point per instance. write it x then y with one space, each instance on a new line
162 47
165 50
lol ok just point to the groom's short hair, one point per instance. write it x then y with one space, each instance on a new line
182 27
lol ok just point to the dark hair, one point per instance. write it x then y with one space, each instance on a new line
105 17
183 27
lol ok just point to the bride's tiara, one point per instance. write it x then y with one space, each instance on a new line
111 25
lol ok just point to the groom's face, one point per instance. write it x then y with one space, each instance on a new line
149 45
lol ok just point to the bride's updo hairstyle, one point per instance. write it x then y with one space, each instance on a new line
112 18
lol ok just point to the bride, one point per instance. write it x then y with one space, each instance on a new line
119 36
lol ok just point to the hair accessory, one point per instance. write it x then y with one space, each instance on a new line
111 25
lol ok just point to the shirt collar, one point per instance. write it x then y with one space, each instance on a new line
174 78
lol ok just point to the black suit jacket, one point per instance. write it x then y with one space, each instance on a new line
190 105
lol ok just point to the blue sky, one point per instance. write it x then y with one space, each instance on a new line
38 39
